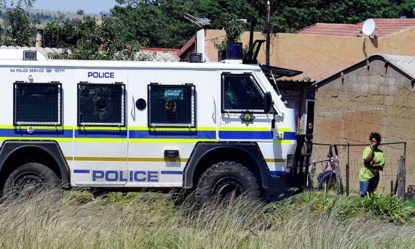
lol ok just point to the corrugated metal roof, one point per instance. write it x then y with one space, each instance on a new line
159 56
384 27
303 80
403 62
161 50
187 46
155 54
44 51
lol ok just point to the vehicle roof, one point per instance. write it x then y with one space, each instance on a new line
126 64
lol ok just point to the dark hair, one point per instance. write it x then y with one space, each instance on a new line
330 150
376 136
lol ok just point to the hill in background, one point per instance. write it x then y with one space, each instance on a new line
46 16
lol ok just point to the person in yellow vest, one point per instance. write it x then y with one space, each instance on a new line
373 163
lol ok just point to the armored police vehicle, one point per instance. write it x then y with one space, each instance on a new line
219 128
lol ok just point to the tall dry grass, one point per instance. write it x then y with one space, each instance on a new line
150 220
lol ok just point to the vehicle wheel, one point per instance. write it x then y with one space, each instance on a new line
30 178
179 198
226 181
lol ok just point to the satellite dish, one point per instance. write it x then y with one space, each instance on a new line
368 27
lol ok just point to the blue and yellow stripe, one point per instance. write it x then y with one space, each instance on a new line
140 134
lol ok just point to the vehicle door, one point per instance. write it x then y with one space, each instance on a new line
242 115
100 148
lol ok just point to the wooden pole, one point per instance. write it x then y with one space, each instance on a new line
347 179
268 38
402 178
338 171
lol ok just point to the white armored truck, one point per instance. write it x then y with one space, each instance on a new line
215 127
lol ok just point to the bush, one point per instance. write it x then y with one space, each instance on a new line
389 206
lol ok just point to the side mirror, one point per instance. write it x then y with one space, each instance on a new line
267 102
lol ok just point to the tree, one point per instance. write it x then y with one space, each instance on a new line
293 15
234 27
86 39
59 33
163 24
135 2
18 28
27 3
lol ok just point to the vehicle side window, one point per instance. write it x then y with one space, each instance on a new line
171 105
101 104
37 104
240 92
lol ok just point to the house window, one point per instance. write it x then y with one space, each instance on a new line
240 92
101 104
37 104
172 105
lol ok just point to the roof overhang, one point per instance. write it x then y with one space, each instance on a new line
279 71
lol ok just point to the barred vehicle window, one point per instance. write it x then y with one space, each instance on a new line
37 104
101 104
172 105
240 92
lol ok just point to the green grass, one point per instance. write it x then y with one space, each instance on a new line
151 220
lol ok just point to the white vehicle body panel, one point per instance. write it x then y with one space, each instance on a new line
133 155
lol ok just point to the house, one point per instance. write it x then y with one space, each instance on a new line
323 49
374 94
320 51
162 54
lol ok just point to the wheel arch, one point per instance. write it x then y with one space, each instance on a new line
15 153
205 155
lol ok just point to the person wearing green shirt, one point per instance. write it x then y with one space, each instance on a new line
373 162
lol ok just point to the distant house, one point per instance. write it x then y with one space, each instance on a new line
154 54
374 94
162 54
44 51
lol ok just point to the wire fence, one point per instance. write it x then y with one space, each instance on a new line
351 160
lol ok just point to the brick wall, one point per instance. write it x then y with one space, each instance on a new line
366 99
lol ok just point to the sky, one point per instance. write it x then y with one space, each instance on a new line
89 6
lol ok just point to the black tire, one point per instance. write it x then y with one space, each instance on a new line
179 198
30 178
226 181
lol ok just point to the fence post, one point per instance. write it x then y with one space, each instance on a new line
402 178
347 179
339 182
306 170
300 177
338 179
392 190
